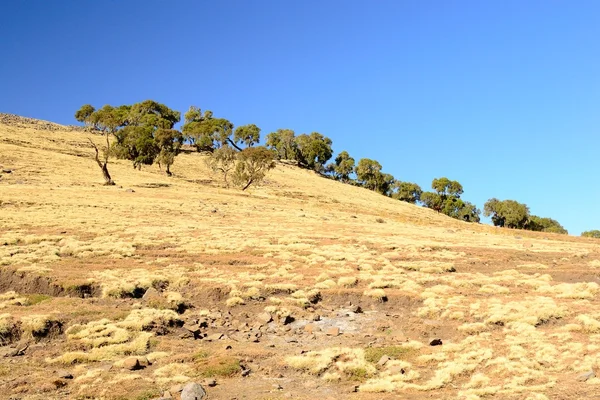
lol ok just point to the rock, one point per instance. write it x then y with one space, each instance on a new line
310 328
176 388
436 342
130 190
151 293
214 337
64 374
264 318
132 363
210 382
144 362
333 331
316 317
383 360
193 391
245 373
277 386
356 310
291 340
584 377
288 319
7 171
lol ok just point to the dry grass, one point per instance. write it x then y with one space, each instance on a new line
520 313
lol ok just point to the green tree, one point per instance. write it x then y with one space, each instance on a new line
283 142
314 150
149 135
342 167
540 224
108 120
169 142
249 135
205 132
223 161
368 173
84 114
507 213
407 191
591 234
446 199
252 166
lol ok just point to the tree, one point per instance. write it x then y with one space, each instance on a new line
591 234
507 213
84 114
149 135
223 160
342 167
314 150
107 120
540 224
368 173
249 135
446 199
169 142
407 191
205 132
252 166
283 142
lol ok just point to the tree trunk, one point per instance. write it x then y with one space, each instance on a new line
103 165
168 170
248 184
233 144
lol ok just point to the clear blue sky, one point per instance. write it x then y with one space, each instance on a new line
503 96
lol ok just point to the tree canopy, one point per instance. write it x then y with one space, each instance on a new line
446 199
592 234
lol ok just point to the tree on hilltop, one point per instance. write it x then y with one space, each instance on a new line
407 191
592 234
446 199
283 142
314 150
342 167
507 213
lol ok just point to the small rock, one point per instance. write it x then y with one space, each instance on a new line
130 190
316 317
288 319
64 374
383 360
214 337
584 377
210 382
277 386
264 318
151 294
333 331
176 388
436 342
193 391
309 328
228 347
356 310
291 340
132 363
7 171
245 373
144 362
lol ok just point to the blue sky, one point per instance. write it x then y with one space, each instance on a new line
503 96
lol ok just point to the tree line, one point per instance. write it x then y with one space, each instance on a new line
144 134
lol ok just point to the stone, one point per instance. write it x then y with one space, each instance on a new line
214 337
64 374
333 331
383 360
245 373
210 382
586 376
151 295
357 310
264 318
130 190
436 342
144 362
132 363
309 328
288 319
193 391
277 386
7 171
176 388
291 340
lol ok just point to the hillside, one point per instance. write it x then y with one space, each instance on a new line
293 289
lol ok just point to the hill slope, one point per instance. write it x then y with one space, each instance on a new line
515 310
